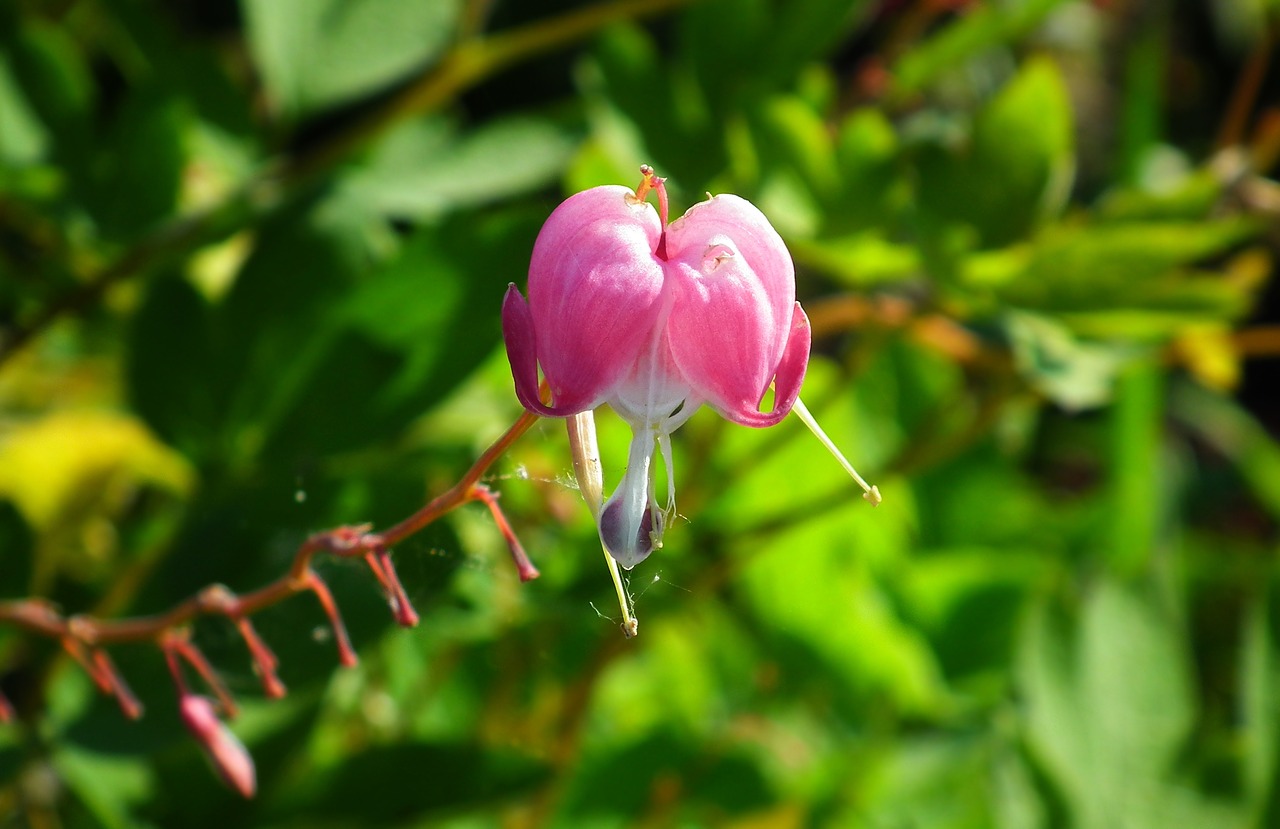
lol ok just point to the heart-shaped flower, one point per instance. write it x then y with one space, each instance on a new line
656 319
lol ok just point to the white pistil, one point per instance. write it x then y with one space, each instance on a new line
870 493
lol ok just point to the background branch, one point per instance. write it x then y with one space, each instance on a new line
84 637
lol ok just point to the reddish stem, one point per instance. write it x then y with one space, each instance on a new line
379 561
129 704
346 653
175 671
83 637
527 571
38 616
218 598
263 658
461 492
181 646
81 656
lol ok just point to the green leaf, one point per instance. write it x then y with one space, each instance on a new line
373 787
109 787
1074 373
272 334
874 190
1139 503
1260 713
139 173
619 782
1017 165
436 303
1231 430
794 35
1102 269
422 170
806 584
860 260
1190 198
804 31
1109 708
315 54
983 28
23 138
50 69
928 780
17 552
1135 684
171 366
969 601
737 28
675 124
396 342
790 133
1055 718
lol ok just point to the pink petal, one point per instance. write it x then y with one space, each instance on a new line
522 353
755 240
594 296
789 378
733 314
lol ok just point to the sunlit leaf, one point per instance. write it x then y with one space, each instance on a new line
423 170
1072 372
107 786
1002 186
22 136
985 27
314 54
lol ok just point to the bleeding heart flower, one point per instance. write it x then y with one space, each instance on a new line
655 320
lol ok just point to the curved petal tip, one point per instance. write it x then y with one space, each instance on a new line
522 349
787 380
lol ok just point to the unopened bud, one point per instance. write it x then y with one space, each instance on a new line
226 753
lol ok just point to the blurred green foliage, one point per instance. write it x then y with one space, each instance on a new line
251 261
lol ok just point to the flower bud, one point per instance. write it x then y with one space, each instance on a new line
226 753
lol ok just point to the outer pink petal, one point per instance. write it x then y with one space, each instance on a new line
755 239
789 379
517 332
733 314
594 294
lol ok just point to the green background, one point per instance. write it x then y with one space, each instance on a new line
251 263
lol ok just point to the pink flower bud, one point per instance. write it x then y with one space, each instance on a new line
227 754
656 320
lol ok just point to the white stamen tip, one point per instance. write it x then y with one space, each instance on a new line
873 495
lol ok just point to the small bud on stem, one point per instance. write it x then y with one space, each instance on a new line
223 749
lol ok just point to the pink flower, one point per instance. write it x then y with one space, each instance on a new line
655 320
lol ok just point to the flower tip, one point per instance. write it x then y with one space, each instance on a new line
872 495
628 537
